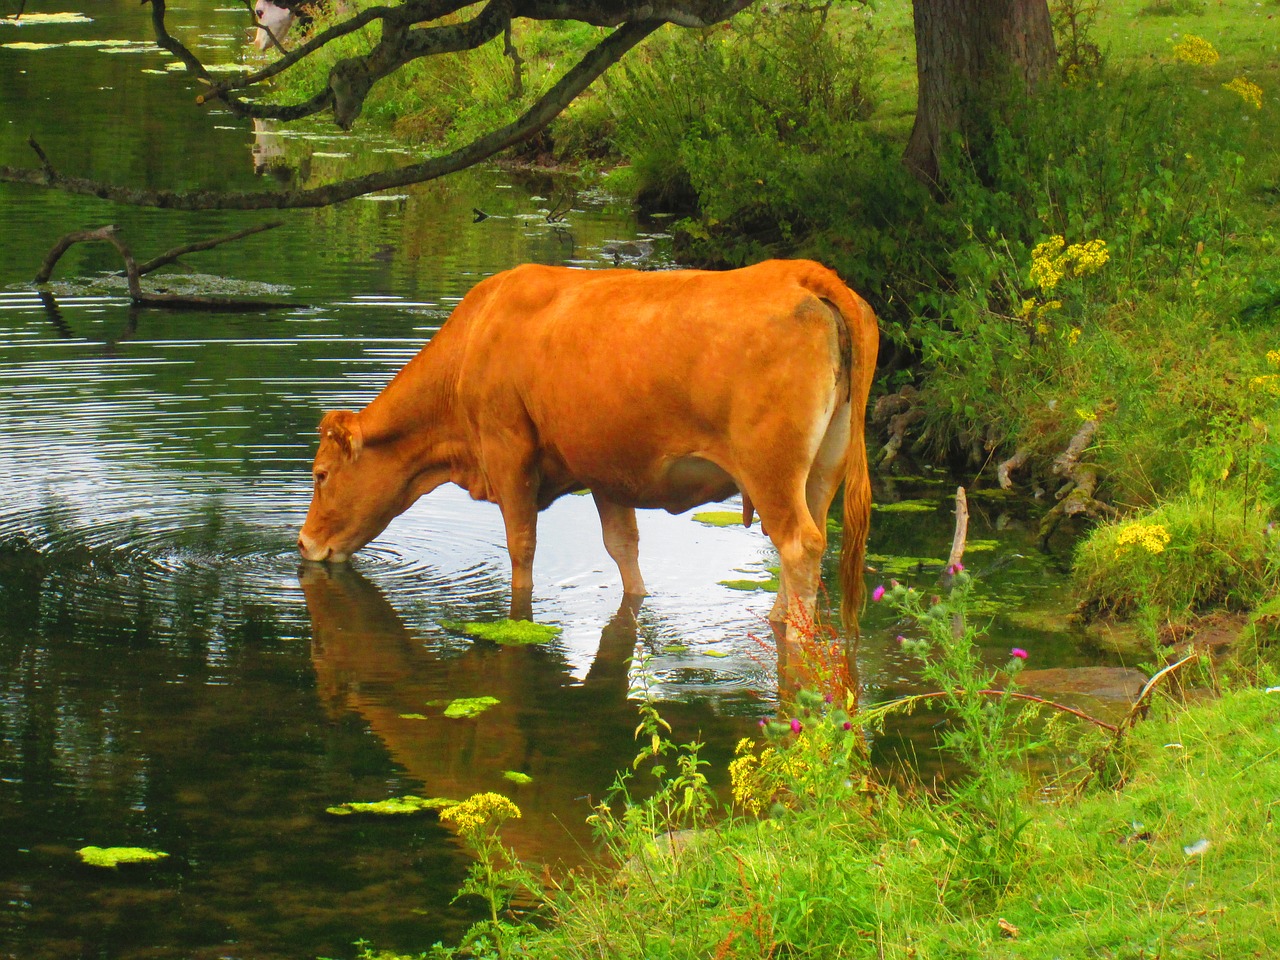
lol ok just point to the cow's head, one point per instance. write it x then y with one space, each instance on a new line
276 18
358 491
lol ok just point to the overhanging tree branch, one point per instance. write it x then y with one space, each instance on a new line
559 96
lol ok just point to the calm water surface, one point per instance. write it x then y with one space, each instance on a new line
171 678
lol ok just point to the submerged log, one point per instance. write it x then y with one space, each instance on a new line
133 272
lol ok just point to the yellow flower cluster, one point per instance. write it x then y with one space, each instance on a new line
479 811
1195 50
1152 537
760 780
1246 90
1053 259
1269 382
1273 357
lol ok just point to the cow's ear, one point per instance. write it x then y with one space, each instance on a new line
343 428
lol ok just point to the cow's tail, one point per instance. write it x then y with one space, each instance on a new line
864 337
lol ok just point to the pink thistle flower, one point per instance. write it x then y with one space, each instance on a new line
1018 653
877 594
796 725
848 725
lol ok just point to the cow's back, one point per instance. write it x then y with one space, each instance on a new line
613 374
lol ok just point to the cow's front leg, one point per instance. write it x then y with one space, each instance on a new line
622 540
520 517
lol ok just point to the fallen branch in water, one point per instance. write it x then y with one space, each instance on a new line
111 234
909 703
1082 479
1006 467
901 410
1137 711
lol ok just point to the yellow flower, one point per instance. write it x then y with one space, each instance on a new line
1042 328
1084 414
1045 273
1152 537
1273 357
1053 259
1072 336
1049 248
1195 50
1028 306
1269 382
1247 90
1089 256
479 811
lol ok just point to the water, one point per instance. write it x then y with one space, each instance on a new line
170 678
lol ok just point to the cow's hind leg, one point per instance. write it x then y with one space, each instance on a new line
622 540
800 541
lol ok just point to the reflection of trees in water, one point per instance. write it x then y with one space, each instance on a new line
571 738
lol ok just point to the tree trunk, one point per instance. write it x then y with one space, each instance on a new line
967 53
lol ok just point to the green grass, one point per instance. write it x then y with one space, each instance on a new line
1181 860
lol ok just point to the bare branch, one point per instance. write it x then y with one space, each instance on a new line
169 256
110 234
560 95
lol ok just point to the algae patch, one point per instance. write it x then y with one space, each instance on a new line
391 807
719 518
469 706
906 506
515 776
114 856
512 633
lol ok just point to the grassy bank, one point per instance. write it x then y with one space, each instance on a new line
1049 834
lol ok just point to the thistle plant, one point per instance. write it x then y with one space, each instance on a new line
988 731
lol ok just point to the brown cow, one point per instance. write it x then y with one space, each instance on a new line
662 389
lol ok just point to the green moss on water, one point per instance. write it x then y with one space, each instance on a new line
907 506
114 856
391 807
515 776
414 716
894 567
714 653
465 707
675 648
719 518
512 633
768 586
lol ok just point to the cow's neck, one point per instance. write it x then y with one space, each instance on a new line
413 421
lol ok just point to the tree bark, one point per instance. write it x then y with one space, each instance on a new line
967 53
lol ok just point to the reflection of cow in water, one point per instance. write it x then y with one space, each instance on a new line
276 18
570 737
